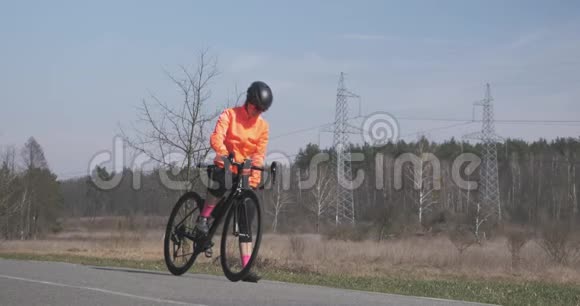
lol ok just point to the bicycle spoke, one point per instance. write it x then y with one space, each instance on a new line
179 248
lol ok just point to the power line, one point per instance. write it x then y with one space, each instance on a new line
549 122
461 122
436 129
301 130
540 123
497 120
70 175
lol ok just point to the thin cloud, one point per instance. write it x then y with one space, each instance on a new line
248 62
527 39
366 37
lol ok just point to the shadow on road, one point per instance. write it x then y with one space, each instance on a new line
133 271
187 275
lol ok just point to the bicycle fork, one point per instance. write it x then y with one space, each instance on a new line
236 230
236 225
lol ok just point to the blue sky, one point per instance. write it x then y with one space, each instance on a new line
70 72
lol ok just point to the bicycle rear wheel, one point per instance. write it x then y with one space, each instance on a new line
242 231
178 248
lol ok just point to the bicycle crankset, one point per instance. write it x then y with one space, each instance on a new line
208 250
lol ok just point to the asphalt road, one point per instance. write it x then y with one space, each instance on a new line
53 283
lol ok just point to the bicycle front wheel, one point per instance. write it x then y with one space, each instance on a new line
241 236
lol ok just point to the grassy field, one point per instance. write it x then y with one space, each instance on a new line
422 266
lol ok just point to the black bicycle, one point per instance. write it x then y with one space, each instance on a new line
242 216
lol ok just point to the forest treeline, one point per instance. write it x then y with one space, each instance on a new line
537 182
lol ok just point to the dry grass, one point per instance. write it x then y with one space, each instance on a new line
433 258
106 244
138 238
416 257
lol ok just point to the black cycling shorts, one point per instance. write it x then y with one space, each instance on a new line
218 185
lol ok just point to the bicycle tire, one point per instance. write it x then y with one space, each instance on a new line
237 276
175 270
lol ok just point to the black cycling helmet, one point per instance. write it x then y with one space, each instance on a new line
260 94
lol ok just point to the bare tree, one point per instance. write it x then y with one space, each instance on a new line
384 181
481 216
6 180
558 188
559 240
8 189
516 180
8 159
571 181
535 166
276 202
421 173
176 135
40 195
322 194
33 157
517 237
461 237
236 97
476 213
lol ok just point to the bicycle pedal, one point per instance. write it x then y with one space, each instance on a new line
208 253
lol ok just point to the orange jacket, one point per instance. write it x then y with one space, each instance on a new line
247 137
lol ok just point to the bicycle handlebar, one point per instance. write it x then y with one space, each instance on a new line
230 158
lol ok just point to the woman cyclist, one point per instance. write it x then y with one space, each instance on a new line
242 131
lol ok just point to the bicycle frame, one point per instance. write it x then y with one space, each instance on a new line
176 233
229 202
